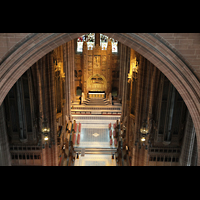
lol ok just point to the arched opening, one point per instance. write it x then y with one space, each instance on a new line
114 92
96 82
75 73
79 73
148 45
78 91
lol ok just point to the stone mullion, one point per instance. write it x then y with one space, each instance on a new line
159 104
109 65
67 78
120 71
137 110
154 84
154 76
32 106
21 111
169 113
151 94
122 83
127 112
125 83
52 109
130 141
46 104
148 95
73 66
194 153
191 147
68 81
148 90
143 107
97 39
123 79
66 74
188 142
40 104
70 67
139 104
5 158
71 70
85 68
64 105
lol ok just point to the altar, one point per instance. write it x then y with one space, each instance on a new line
96 94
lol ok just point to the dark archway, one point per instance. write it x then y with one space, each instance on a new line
78 91
114 92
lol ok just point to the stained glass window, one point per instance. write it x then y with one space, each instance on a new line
104 43
90 39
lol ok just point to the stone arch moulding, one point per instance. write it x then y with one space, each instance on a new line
153 47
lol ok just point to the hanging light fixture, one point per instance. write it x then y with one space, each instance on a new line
45 130
143 139
144 130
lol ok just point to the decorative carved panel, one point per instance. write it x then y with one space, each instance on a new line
90 58
97 61
96 83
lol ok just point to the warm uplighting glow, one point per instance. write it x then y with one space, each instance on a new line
46 138
143 139
133 70
135 66
129 75
45 128
144 129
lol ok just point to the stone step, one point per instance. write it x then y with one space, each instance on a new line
96 101
96 150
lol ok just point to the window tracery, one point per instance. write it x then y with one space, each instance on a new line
90 39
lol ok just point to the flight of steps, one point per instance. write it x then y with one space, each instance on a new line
96 102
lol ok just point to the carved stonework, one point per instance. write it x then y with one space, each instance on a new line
96 83
97 66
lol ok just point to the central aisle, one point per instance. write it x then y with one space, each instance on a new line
94 136
95 160
95 142
94 148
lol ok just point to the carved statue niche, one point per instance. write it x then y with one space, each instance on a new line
59 81
97 61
